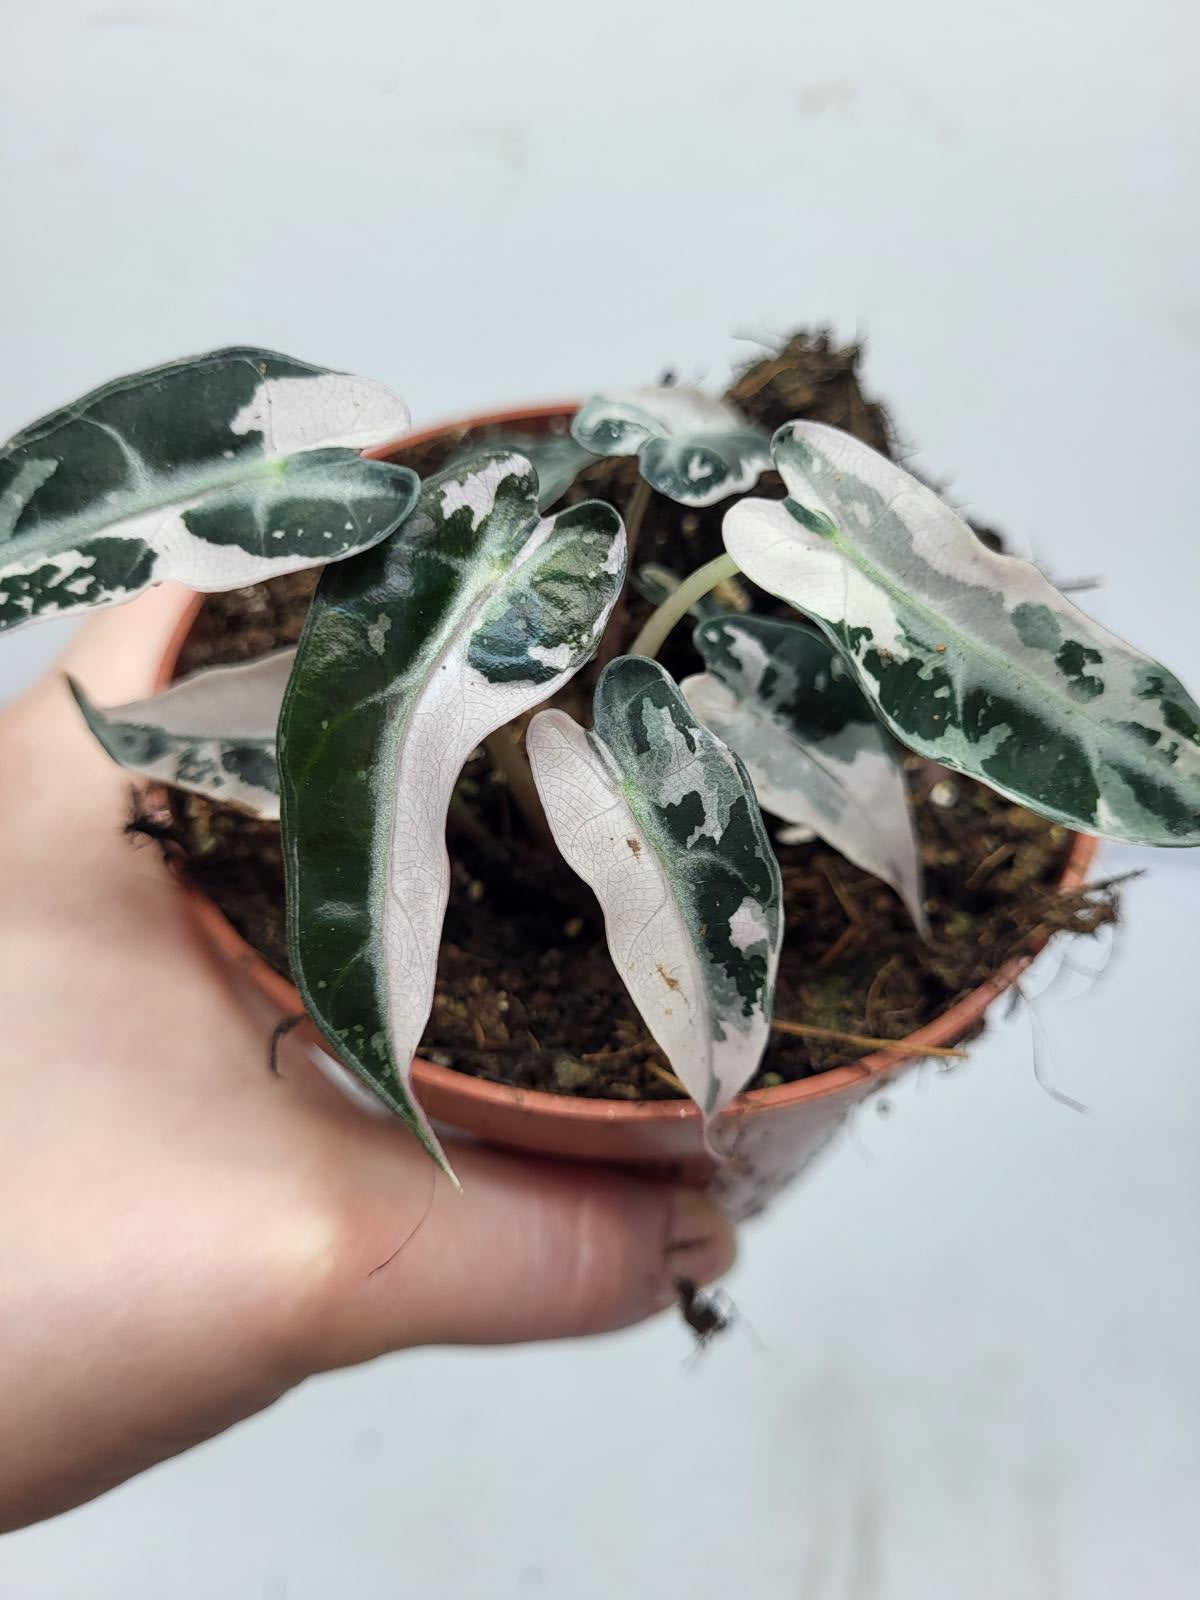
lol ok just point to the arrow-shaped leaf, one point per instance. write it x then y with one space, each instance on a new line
690 446
973 658
212 733
660 820
555 457
220 470
412 654
779 696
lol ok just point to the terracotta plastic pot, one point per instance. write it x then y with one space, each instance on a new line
767 1135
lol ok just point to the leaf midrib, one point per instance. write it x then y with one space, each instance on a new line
77 530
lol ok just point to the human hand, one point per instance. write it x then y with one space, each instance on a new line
183 1237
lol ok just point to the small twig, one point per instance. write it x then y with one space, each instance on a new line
1045 931
506 813
875 983
278 1034
623 1053
808 1030
1078 585
842 893
513 765
989 864
635 512
849 935
526 1043
752 384
463 819
664 1075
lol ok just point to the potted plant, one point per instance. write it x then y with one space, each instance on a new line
818 836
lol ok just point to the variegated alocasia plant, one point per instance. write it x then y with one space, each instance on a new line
220 470
659 818
449 609
972 658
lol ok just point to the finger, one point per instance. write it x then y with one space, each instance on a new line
528 1250
115 656
117 653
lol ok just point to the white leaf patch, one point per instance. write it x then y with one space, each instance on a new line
333 410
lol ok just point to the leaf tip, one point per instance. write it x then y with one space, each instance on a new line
92 716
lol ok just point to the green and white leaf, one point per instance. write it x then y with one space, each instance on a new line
212 733
690 446
555 457
779 695
412 654
219 471
660 820
972 658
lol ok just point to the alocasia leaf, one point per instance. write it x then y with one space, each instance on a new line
555 457
219 471
412 654
779 696
212 733
660 820
690 446
972 658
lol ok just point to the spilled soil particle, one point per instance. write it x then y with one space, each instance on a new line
526 992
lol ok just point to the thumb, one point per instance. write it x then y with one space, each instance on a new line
529 1250
115 656
117 652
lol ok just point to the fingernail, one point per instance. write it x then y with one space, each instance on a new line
701 1243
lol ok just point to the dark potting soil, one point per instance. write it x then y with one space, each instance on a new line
526 991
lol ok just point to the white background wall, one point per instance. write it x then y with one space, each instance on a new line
974 1371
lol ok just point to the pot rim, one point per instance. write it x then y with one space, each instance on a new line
947 1029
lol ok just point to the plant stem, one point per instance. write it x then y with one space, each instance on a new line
610 641
677 604
634 512
464 819
511 762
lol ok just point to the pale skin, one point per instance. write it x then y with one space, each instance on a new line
184 1237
